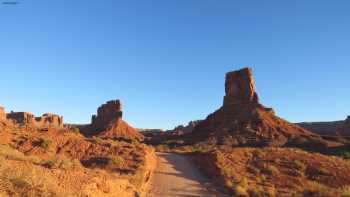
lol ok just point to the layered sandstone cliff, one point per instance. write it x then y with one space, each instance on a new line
242 120
46 120
28 119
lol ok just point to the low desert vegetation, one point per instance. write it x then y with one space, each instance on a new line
65 163
277 172
45 143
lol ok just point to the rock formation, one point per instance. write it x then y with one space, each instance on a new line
345 130
181 129
2 113
240 87
107 113
108 123
242 120
328 129
46 120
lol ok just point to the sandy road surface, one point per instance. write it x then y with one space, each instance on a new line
176 176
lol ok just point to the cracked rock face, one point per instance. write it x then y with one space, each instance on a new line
240 87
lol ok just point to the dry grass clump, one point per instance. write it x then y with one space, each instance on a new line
45 143
116 160
11 153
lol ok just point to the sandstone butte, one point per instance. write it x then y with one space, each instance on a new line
242 120
109 123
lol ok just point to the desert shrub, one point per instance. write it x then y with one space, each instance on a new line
344 191
255 191
117 161
322 171
61 162
317 189
300 141
346 155
253 170
241 189
228 171
270 170
162 148
75 130
50 163
300 165
45 143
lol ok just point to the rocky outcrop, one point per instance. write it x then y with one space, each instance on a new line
345 130
242 120
109 123
181 129
240 87
107 113
46 120
2 113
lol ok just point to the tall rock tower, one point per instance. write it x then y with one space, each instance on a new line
242 120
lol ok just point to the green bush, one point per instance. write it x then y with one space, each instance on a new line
117 161
45 143
300 165
76 130
270 170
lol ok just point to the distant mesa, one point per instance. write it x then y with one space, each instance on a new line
340 128
109 123
242 120
46 120
30 120
181 129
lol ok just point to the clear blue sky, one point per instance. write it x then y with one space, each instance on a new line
166 60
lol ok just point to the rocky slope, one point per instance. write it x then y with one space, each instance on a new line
62 162
242 120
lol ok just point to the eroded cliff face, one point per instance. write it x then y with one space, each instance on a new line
46 120
242 120
28 119
106 114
